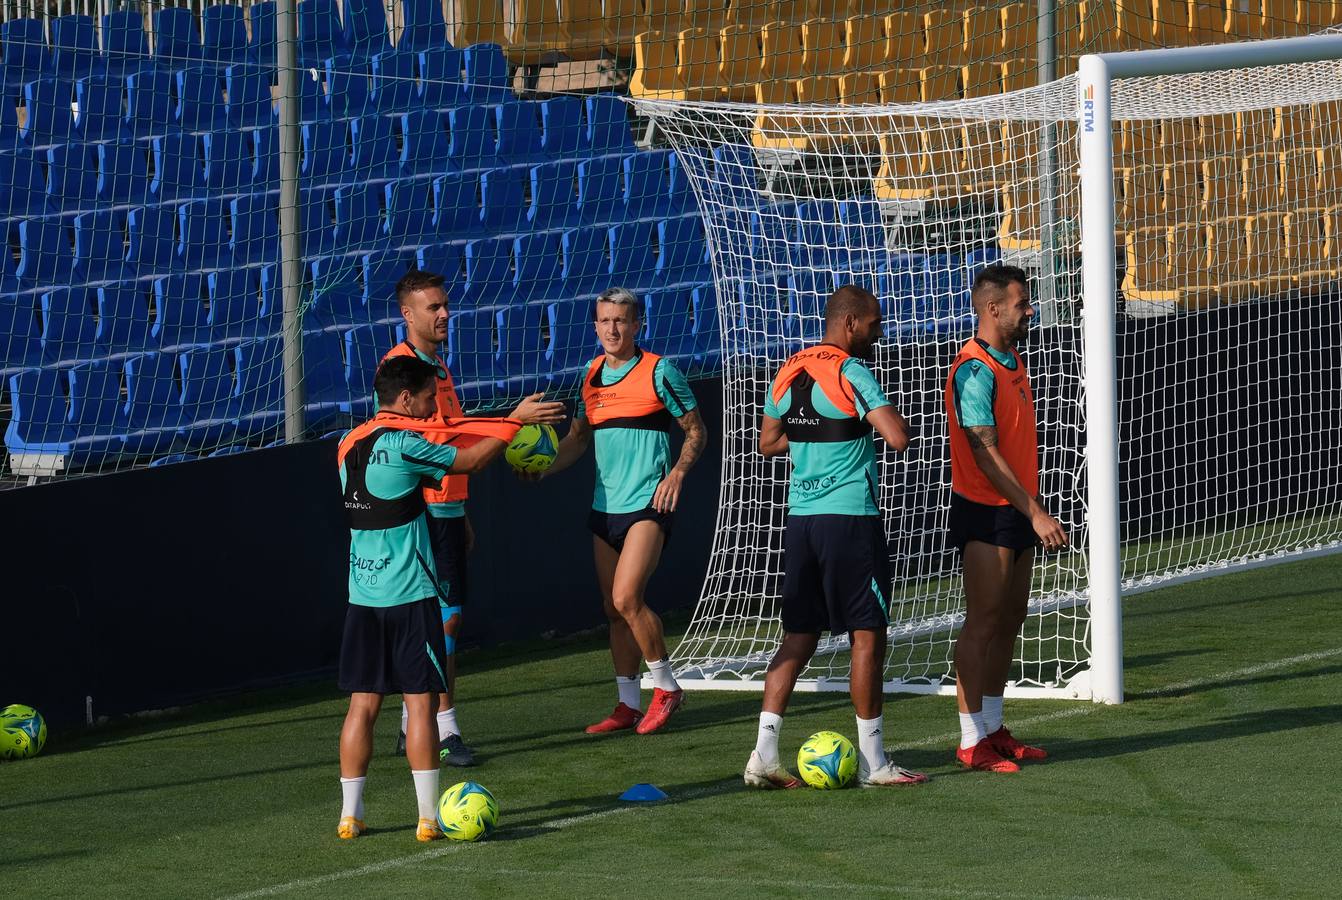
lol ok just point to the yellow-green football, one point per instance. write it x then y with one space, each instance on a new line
827 761
23 732
467 812
533 449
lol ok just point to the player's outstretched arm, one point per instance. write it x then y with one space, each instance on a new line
571 448
535 410
666 496
893 427
988 457
773 440
474 458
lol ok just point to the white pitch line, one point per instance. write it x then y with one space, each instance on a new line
568 821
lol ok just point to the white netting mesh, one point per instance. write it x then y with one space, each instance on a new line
1212 170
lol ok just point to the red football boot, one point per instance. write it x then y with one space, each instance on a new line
663 704
623 717
1007 745
983 757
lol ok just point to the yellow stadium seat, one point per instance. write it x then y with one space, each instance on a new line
940 83
1316 15
622 21
982 30
1067 25
985 156
1138 141
863 44
1207 22
1293 126
1020 29
818 89
903 39
1261 174
1018 74
1330 173
1332 222
1244 25
665 16
798 11
1228 265
903 174
943 36
857 88
777 130
1020 143
1170 26
980 79
749 12
1308 253
710 15
1135 29
1265 261
1147 272
476 22
740 64
822 43
1019 228
854 8
1300 178
1279 18
585 24
899 86
1181 191
1223 186
1140 200
1178 141
1098 26
535 35
698 53
781 51
656 69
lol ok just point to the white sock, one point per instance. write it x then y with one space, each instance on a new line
766 740
992 713
352 789
628 689
426 792
447 723
971 729
661 675
871 741
405 718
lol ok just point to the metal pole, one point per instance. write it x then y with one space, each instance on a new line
291 243
1099 292
1047 287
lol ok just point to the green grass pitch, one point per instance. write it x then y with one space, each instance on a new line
1218 778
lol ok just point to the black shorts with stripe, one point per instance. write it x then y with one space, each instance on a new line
393 649
448 538
1001 526
836 574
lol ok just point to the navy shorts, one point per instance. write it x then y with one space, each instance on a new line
393 649
448 537
1001 526
613 528
836 574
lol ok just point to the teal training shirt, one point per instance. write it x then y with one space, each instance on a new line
834 478
457 508
631 462
975 389
393 566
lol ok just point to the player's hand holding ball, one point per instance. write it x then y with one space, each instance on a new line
532 451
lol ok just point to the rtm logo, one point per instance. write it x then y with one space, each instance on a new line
1088 109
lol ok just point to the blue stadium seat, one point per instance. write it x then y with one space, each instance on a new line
41 413
646 191
392 81
539 271
178 170
97 414
770 240
22 347
254 229
259 400
69 320
261 48
23 185
734 176
249 103
229 166
366 28
72 177
447 260
149 108
440 79
45 254
573 342
270 319
523 357
608 128
176 40
180 315
337 300
682 252
326 153
49 118
863 226
600 198
125 44
364 348
358 218
153 404
320 34
225 27
23 48
381 271
426 145
950 307
200 99
489 265
486 74
74 46
318 218
151 234
519 132
9 122
347 88
501 199
586 270
123 172
375 154
471 354
410 218
808 292
680 195
325 393
669 329
456 206
632 261
265 158
208 416
100 246
553 196
236 306
472 144
903 291
201 243
123 318
424 27
311 98
100 115
563 134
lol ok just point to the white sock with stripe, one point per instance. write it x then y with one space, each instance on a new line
871 741
766 739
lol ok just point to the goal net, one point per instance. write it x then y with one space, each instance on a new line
1228 229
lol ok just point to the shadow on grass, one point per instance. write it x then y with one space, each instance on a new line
1203 687
581 807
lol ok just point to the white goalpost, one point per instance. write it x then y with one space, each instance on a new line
1179 213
